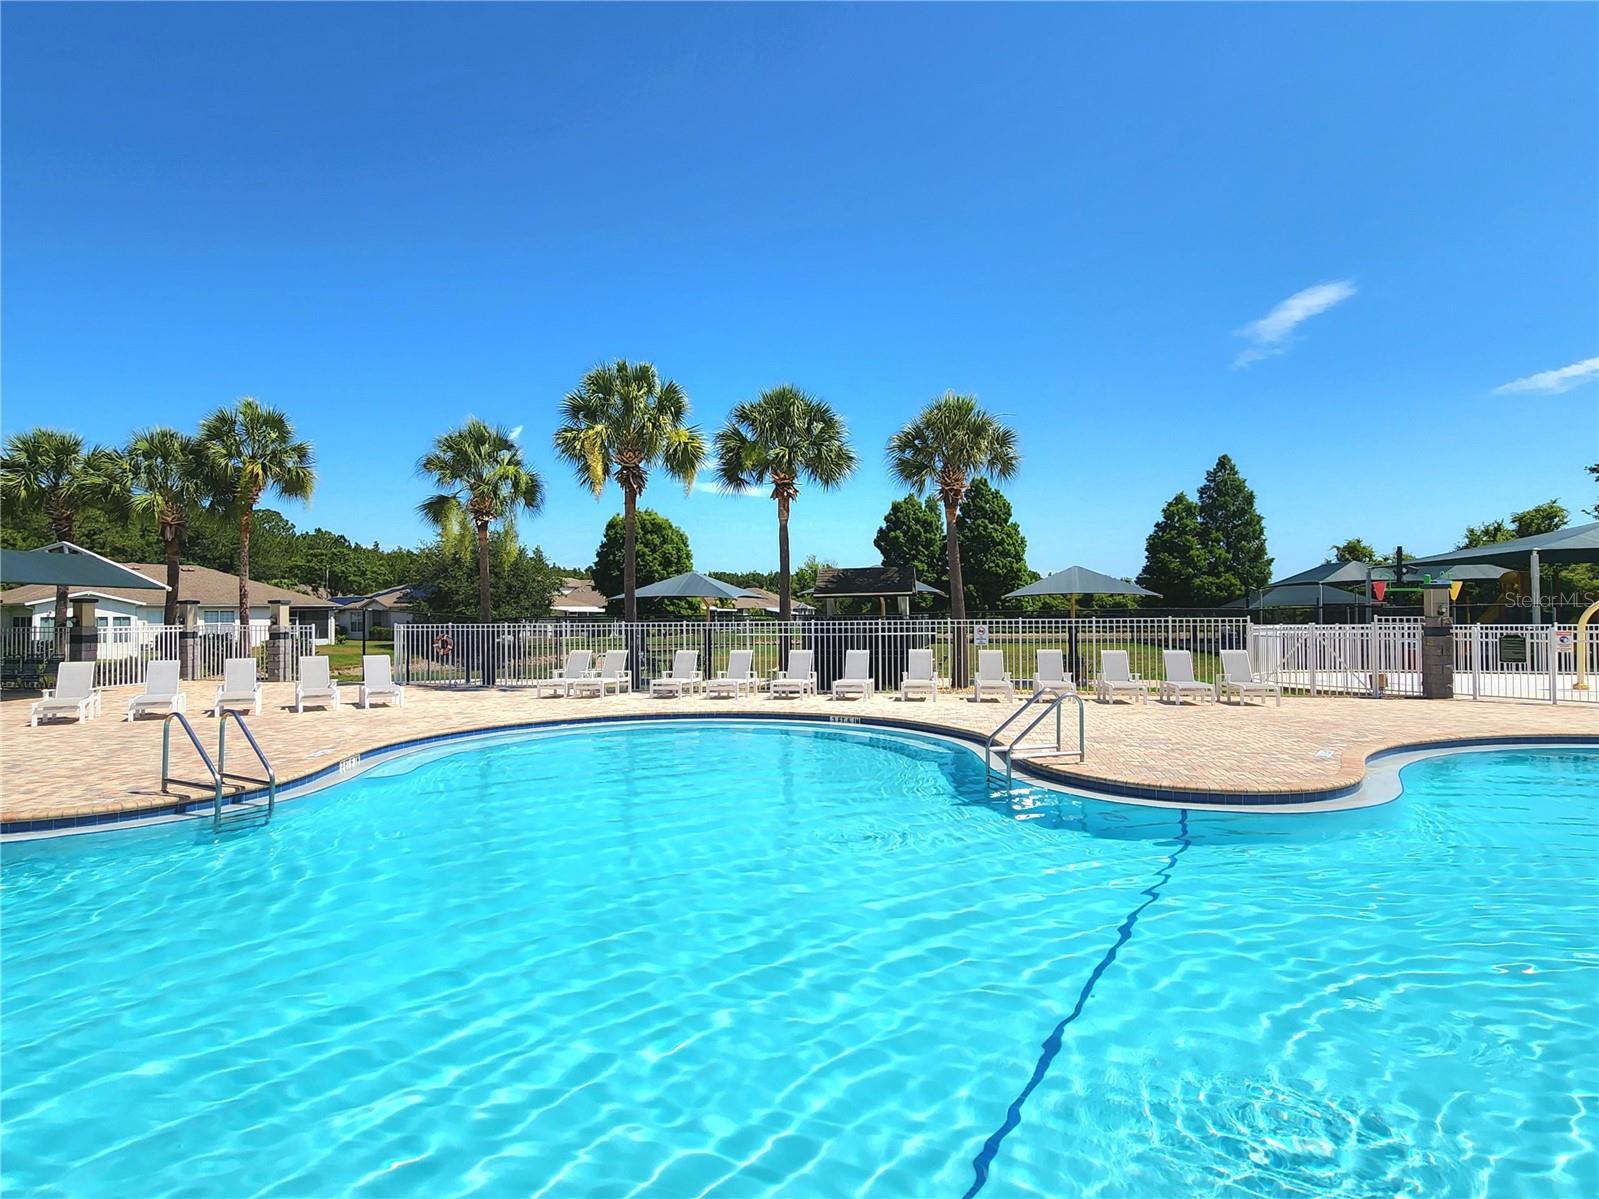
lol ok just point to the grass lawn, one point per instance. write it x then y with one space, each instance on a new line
345 660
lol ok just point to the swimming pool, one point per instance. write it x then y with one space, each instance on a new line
685 958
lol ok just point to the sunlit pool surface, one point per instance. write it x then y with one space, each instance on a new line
776 959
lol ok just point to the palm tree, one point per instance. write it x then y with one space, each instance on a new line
250 449
622 422
780 437
950 442
163 481
481 478
49 471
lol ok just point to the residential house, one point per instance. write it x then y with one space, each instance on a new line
577 597
33 606
382 610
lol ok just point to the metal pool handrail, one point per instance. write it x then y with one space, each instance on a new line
1010 750
218 769
271 779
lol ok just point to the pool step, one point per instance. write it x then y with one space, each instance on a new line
248 814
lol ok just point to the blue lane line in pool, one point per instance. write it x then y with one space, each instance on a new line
1052 1045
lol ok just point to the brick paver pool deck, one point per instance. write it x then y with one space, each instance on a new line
69 769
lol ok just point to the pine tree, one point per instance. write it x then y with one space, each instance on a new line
912 535
1236 535
993 550
1178 555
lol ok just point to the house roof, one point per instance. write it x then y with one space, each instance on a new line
213 588
835 582
759 599
578 595
388 600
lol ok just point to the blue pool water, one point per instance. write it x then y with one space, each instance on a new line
767 959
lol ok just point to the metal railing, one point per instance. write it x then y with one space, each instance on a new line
1014 747
520 653
219 775
1521 661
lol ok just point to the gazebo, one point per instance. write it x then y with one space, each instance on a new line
881 583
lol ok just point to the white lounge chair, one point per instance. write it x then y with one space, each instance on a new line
857 677
377 681
992 676
315 685
1050 674
1116 678
613 675
163 692
560 683
73 695
799 678
918 678
1239 677
738 679
1180 680
239 688
684 675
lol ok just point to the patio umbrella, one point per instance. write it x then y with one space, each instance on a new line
689 585
1079 580
1075 581
66 565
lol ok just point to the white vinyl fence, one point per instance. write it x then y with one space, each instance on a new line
1381 658
122 654
1492 661
513 654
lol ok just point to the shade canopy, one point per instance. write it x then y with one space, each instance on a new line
1467 572
1079 580
689 585
63 564
1300 595
1575 543
1337 572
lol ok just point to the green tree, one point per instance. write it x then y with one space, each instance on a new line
1178 556
446 584
1594 472
660 551
1354 550
251 450
950 442
1235 533
805 576
912 535
1540 518
781 437
51 473
622 422
482 482
993 550
164 482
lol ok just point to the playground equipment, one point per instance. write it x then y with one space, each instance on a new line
1582 646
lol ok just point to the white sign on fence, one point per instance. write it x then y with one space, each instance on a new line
979 634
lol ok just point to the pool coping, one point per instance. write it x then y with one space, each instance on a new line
1281 801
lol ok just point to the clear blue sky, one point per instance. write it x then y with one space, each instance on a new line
383 219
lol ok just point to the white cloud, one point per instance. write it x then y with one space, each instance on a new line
1553 382
1273 333
711 487
516 433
